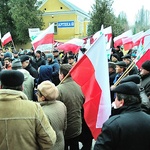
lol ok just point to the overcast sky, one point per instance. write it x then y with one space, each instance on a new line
130 7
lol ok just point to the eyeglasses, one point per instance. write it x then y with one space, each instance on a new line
38 93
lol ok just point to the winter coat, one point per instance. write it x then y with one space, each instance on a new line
23 124
28 84
55 71
45 73
129 129
134 70
71 95
146 84
33 72
57 116
39 62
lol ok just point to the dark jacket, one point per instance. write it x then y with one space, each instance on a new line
45 73
33 72
39 62
146 84
129 130
71 95
111 79
134 70
55 71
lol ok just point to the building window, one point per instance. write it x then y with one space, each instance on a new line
55 27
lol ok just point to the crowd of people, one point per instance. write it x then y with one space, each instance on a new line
41 107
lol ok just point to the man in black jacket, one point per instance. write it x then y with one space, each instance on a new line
128 128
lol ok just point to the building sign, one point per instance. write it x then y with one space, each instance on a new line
66 24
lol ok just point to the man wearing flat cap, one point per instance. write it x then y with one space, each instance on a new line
23 124
120 68
128 127
127 59
26 64
145 75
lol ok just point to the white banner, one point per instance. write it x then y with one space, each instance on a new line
33 33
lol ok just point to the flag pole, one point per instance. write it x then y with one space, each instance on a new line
64 78
13 44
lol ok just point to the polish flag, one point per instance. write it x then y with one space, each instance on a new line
6 39
128 43
144 54
143 58
118 39
46 37
72 45
107 31
90 74
140 39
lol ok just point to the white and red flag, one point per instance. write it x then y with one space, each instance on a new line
107 31
6 39
44 38
144 54
91 73
143 58
118 39
128 43
72 45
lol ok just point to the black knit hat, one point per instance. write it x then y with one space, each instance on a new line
129 88
146 65
11 78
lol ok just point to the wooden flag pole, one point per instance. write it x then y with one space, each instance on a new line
13 44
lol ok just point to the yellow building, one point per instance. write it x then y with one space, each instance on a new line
70 21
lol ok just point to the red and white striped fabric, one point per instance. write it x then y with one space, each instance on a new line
143 58
72 45
90 74
118 39
141 38
46 37
144 54
6 39
128 43
107 31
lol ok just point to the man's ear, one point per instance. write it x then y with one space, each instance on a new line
121 102
43 98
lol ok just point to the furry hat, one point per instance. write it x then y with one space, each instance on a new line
48 90
11 78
